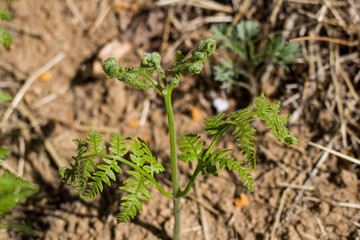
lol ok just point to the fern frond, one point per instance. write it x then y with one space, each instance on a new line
136 187
93 188
215 123
13 191
136 191
88 177
214 158
240 121
95 139
137 152
85 174
245 175
190 146
270 114
79 172
118 145
242 133
154 166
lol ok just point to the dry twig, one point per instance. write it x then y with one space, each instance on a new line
327 149
326 39
278 214
76 14
28 83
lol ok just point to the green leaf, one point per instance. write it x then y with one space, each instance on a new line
4 15
226 73
245 30
5 38
219 31
118 145
189 145
242 132
136 191
215 158
3 152
280 53
95 139
4 97
13 191
215 123
270 114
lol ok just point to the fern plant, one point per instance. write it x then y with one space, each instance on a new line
246 59
13 191
96 164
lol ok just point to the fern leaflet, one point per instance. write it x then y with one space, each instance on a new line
216 157
242 133
215 123
270 114
88 176
189 145
240 122
136 187
137 191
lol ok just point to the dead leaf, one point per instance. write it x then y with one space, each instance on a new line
195 114
46 76
243 201
134 123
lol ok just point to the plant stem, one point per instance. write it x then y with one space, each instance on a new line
191 182
173 161
153 82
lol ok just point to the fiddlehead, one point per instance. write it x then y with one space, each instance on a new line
151 60
127 75
110 67
195 63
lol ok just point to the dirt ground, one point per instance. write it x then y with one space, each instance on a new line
301 192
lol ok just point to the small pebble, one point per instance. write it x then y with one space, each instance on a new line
221 104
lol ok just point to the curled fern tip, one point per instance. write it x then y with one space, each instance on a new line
111 67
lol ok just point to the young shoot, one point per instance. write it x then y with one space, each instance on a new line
95 163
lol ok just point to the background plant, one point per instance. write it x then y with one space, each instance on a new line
13 191
246 59
5 37
96 164
5 40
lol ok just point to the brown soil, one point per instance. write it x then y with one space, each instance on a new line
321 91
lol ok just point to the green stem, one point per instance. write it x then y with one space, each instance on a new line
153 81
191 182
163 78
173 161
